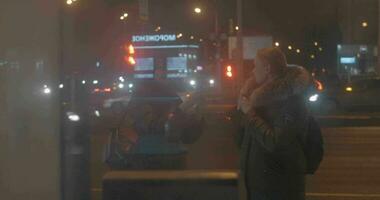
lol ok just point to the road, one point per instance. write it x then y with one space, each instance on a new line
350 169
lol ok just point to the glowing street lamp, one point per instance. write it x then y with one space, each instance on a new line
277 44
290 47
364 24
197 10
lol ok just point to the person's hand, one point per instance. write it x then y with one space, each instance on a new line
245 104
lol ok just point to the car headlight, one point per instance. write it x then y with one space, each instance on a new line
314 98
193 82
97 113
46 90
73 116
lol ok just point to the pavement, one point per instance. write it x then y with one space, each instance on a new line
350 169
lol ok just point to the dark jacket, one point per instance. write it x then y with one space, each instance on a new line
272 159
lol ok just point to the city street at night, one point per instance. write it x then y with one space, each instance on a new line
189 100
349 171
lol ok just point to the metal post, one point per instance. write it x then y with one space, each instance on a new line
378 41
239 45
218 48
75 139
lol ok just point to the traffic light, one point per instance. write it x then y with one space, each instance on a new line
129 52
229 73
131 49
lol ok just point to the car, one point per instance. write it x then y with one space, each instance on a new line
313 93
359 94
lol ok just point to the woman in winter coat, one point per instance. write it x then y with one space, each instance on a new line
273 100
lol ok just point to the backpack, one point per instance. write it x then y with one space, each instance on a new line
313 146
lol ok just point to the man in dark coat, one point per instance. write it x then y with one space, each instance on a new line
272 159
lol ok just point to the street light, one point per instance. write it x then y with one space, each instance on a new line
277 44
197 10
312 56
290 47
320 49
179 35
69 2
364 24
237 28
315 43
298 51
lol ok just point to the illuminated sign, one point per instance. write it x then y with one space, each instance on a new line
347 60
154 38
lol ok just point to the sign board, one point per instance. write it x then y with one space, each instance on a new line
250 46
144 9
154 38
347 60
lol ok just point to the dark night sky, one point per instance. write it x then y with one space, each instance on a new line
288 19
296 22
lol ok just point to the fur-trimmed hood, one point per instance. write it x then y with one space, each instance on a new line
295 81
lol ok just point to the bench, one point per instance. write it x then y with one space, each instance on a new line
171 185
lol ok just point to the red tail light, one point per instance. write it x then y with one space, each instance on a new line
229 71
318 85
